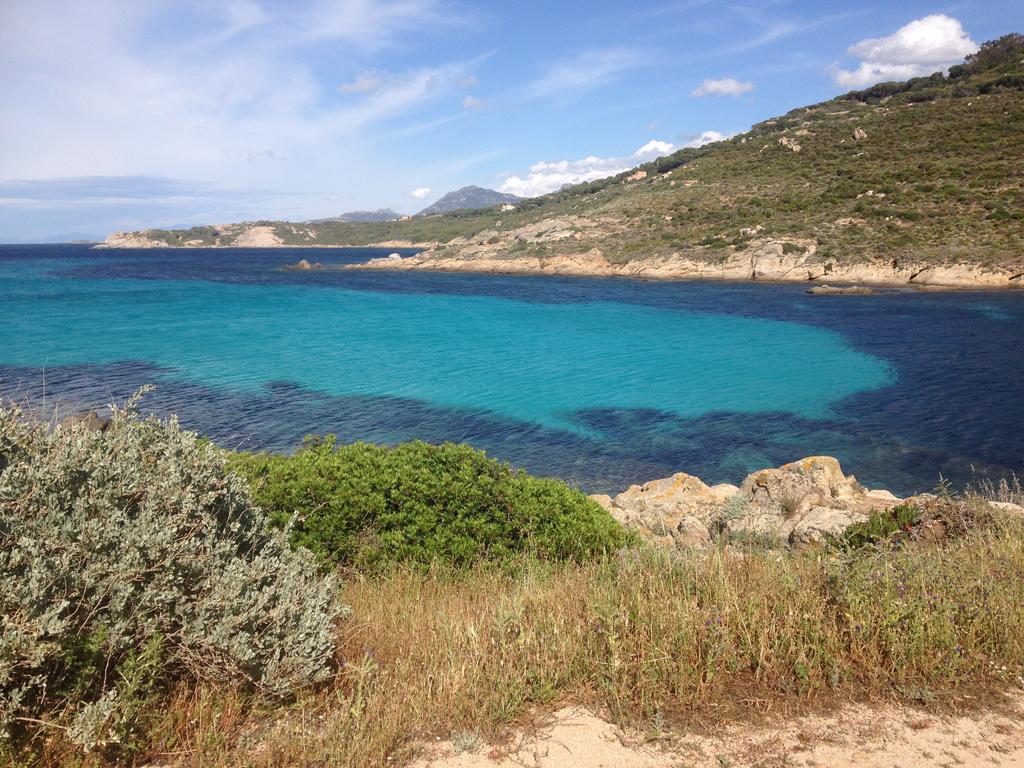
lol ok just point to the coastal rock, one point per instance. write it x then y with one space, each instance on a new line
801 503
836 290
131 240
765 259
302 265
91 421
672 511
821 522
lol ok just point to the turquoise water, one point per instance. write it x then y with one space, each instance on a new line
532 362
602 382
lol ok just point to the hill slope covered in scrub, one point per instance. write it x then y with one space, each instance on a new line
922 173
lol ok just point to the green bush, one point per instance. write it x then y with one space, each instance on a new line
365 505
881 526
130 558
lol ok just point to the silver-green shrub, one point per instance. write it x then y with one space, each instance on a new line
131 556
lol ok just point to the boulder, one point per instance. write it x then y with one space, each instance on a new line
672 497
1007 506
785 487
859 134
790 143
89 421
821 522
801 503
302 265
690 532
836 290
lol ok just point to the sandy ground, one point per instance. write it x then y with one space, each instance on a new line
855 736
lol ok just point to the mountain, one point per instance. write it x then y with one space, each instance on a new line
918 181
469 198
382 214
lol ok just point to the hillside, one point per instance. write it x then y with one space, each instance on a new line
919 181
469 198
381 214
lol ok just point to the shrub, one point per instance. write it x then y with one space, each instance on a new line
130 557
881 526
366 504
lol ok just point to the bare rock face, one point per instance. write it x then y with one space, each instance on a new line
800 503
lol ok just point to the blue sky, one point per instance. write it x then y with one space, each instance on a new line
137 113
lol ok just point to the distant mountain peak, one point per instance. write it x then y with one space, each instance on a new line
381 214
468 198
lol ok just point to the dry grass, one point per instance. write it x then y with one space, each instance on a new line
645 637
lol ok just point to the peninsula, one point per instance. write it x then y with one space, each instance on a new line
917 182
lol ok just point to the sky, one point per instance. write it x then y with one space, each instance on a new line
129 114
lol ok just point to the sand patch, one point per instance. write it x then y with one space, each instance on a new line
855 736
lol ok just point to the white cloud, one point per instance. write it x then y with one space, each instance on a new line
549 176
221 105
921 47
705 137
366 24
588 70
471 102
654 148
366 82
420 193
727 86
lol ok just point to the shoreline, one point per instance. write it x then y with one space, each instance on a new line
102 246
758 268
960 277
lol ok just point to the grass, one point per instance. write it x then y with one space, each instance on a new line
644 637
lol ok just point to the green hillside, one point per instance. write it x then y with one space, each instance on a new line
930 170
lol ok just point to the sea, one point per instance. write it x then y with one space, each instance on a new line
603 382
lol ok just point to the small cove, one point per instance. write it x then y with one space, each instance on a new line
603 382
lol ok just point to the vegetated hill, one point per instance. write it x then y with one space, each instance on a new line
469 198
929 171
381 214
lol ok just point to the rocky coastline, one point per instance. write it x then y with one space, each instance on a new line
804 503
766 262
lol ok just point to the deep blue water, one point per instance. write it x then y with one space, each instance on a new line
604 382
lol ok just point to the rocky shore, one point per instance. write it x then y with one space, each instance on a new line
766 261
802 504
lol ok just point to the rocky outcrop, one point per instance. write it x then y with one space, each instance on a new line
763 259
790 143
678 510
801 503
838 290
303 265
131 240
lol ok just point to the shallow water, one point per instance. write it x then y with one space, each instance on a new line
604 382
